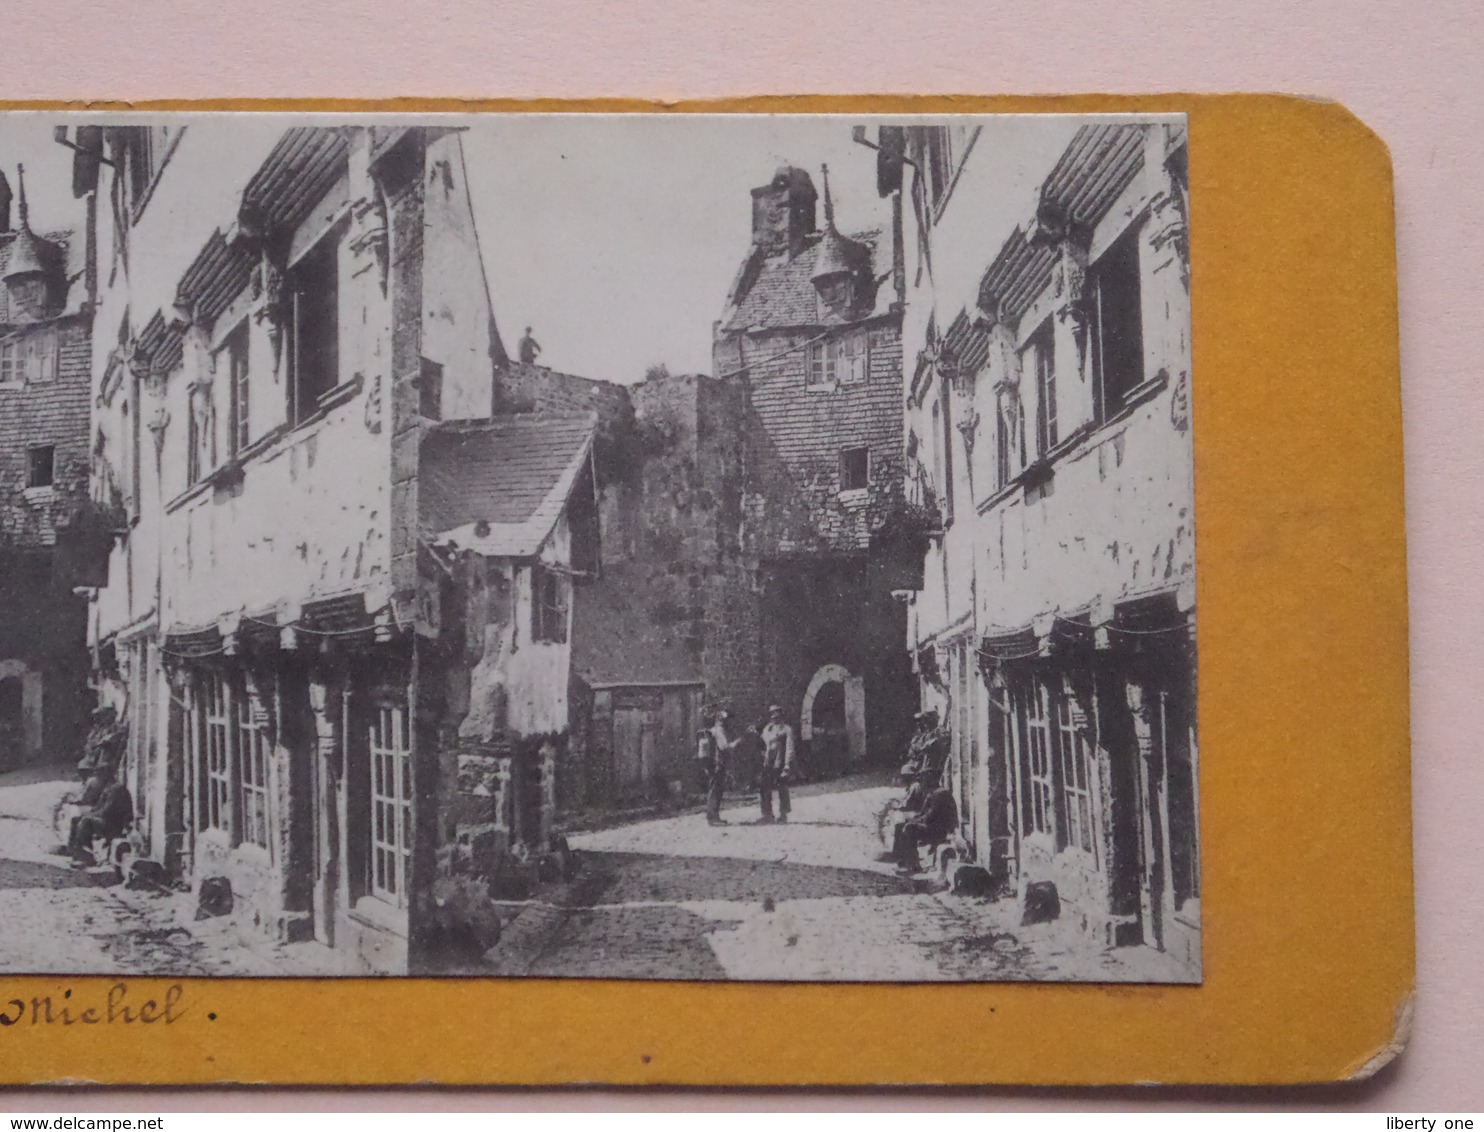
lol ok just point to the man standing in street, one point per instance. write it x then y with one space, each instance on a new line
778 765
714 745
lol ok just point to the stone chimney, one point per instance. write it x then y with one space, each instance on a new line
5 199
783 212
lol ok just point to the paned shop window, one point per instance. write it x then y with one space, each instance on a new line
1039 738
1118 338
391 802
548 605
314 355
252 761
1074 758
215 732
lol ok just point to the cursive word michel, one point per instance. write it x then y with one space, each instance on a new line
117 1008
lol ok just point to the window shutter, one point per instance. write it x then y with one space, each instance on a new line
49 357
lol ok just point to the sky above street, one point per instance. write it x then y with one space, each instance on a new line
616 238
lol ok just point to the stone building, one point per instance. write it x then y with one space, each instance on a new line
811 336
651 633
301 615
45 328
1048 398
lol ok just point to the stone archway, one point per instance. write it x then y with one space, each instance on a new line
833 714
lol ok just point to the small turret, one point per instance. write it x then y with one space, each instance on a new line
841 265
31 269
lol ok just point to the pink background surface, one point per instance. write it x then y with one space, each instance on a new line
1413 71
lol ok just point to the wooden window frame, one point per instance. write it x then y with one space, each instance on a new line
549 602
1040 352
945 400
254 762
12 368
34 479
853 358
236 349
1123 251
214 710
820 365
389 863
193 444
1077 774
865 482
1036 711
304 276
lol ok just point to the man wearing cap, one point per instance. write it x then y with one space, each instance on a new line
778 765
926 755
713 744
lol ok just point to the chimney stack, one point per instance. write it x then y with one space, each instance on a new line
783 212
5 199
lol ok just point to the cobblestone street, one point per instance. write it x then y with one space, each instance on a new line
666 898
59 919
675 898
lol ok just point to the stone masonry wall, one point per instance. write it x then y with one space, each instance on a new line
795 435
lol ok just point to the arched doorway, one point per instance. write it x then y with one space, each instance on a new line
832 720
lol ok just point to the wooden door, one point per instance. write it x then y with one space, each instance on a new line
630 736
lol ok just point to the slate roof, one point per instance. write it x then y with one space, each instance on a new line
617 639
514 472
779 292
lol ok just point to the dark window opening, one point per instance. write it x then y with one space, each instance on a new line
548 605
12 704
193 445
40 466
947 481
1118 338
939 162
855 468
314 283
235 350
1042 349
430 391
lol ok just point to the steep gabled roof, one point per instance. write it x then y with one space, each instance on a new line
514 473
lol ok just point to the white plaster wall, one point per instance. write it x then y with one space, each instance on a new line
456 305
1119 520
533 675
311 516
994 192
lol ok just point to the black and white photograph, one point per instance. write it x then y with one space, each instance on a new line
693 546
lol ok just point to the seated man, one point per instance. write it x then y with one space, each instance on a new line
928 748
94 781
109 816
935 824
